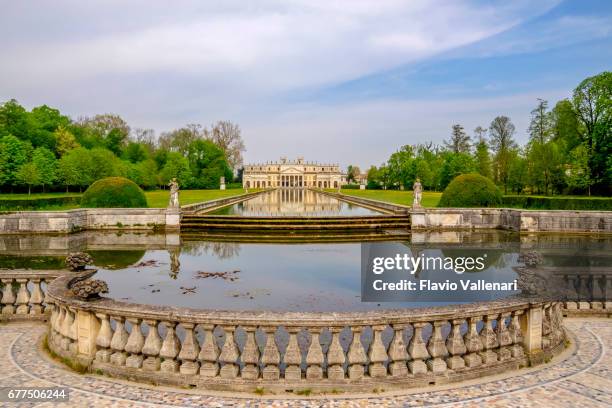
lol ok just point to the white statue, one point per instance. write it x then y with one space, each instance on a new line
174 194
417 190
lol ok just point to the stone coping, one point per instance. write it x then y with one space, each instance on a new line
59 291
219 202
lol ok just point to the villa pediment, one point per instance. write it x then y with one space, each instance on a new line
292 170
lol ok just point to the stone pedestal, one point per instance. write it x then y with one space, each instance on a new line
173 218
531 327
418 218
222 187
362 187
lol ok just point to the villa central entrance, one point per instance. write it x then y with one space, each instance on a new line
292 181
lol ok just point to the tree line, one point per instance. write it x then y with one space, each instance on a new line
569 150
44 149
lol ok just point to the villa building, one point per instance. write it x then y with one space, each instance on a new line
292 174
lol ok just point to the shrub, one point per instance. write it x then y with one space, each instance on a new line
114 192
351 187
558 203
35 203
471 190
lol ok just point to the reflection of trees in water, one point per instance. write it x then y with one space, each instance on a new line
222 250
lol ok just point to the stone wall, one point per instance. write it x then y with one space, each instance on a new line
218 203
90 218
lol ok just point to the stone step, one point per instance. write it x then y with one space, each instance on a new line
312 226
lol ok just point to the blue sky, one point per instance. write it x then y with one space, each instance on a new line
334 81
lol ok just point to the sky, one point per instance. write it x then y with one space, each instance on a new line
345 82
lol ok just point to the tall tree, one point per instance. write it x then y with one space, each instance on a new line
540 126
579 174
13 154
46 165
501 132
227 136
75 168
592 102
459 141
28 175
480 133
565 125
483 158
179 140
65 141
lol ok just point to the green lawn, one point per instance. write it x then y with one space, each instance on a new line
430 199
155 199
159 198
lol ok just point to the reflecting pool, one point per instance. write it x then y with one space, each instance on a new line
294 202
166 270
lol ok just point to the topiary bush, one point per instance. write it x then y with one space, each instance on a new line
114 192
471 190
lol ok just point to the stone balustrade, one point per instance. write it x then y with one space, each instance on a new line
286 351
23 293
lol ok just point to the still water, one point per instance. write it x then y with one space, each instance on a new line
162 270
294 202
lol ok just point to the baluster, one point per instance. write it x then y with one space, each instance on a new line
473 343
456 347
189 351
103 340
170 349
356 356
229 354
546 328
59 323
437 349
66 328
314 357
398 353
335 356
517 335
489 340
293 356
417 350
23 297
503 338
36 298
118 342
8 296
250 355
271 356
134 344
152 347
377 354
209 353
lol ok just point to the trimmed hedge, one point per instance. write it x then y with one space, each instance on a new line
38 203
558 203
471 190
114 192
350 187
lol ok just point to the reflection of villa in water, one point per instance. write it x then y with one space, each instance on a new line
292 174
292 202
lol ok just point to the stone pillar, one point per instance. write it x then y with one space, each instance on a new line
88 327
173 218
222 183
531 328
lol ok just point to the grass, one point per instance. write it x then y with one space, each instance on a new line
155 199
430 199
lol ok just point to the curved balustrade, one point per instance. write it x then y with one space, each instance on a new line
23 293
286 351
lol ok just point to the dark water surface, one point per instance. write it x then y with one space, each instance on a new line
160 269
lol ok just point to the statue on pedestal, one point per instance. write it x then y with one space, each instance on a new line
174 194
222 183
417 190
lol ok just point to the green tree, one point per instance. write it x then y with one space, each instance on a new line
75 168
13 120
483 159
459 141
135 152
592 101
207 163
104 164
545 162
13 154
540 124
565 125
64 141
176 166
43 122
518 172
578 174
399 166
501 132
454 165
29 175
45 163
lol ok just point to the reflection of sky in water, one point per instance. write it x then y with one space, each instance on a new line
293 202
317 277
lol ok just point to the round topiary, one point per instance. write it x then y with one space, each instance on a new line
114 192
471 190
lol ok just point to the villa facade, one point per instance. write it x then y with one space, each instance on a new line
292 174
